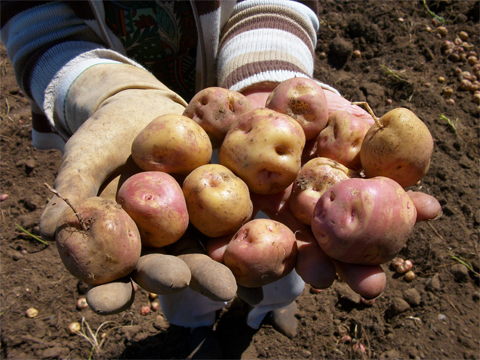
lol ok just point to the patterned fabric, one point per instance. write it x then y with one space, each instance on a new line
236 44
160 35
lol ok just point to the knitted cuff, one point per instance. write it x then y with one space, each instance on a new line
267 42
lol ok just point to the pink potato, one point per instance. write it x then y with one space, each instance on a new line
172 143
315 177
304 100
264 148
364 221
104 246
154 200
215 109
342 139
218 201
261 252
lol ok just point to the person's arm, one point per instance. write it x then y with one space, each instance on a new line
41 38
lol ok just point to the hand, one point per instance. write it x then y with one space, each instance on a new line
108 106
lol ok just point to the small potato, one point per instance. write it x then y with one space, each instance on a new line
215 109
105 247
264 148
173 144
304 100
364 221
312 181
261 252
342 139
155 201
398 146
218 201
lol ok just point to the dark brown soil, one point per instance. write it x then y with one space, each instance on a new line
435 316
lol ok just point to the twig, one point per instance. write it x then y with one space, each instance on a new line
370 111
33 236
454 307
82 224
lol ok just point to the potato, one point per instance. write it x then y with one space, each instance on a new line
261 252
264 149
155 201
399 146
173 144
312 181
218 201
104 247
342 139
364 221
215 109
304 100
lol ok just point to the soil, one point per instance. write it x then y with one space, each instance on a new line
434 316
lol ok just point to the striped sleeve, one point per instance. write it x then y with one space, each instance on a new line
41 38
267 40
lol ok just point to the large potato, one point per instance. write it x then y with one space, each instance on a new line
261 252
363 221
218 201
154 200
342 138
103 247
264 148
399 146
304 100
315 177
173 144
215 109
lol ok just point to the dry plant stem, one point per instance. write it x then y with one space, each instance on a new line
55 192
370 111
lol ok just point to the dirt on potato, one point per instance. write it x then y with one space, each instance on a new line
435 316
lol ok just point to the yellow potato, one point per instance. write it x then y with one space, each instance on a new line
218 201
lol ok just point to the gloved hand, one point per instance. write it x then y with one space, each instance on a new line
106 107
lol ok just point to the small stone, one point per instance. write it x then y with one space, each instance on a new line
16 255
450 102
160 323
398 306
412 296
345 292
442 317
56 352
476 296
441 79
433 283
459 271
30 165
306 353
390 354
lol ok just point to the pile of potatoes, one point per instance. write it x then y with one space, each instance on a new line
347 178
